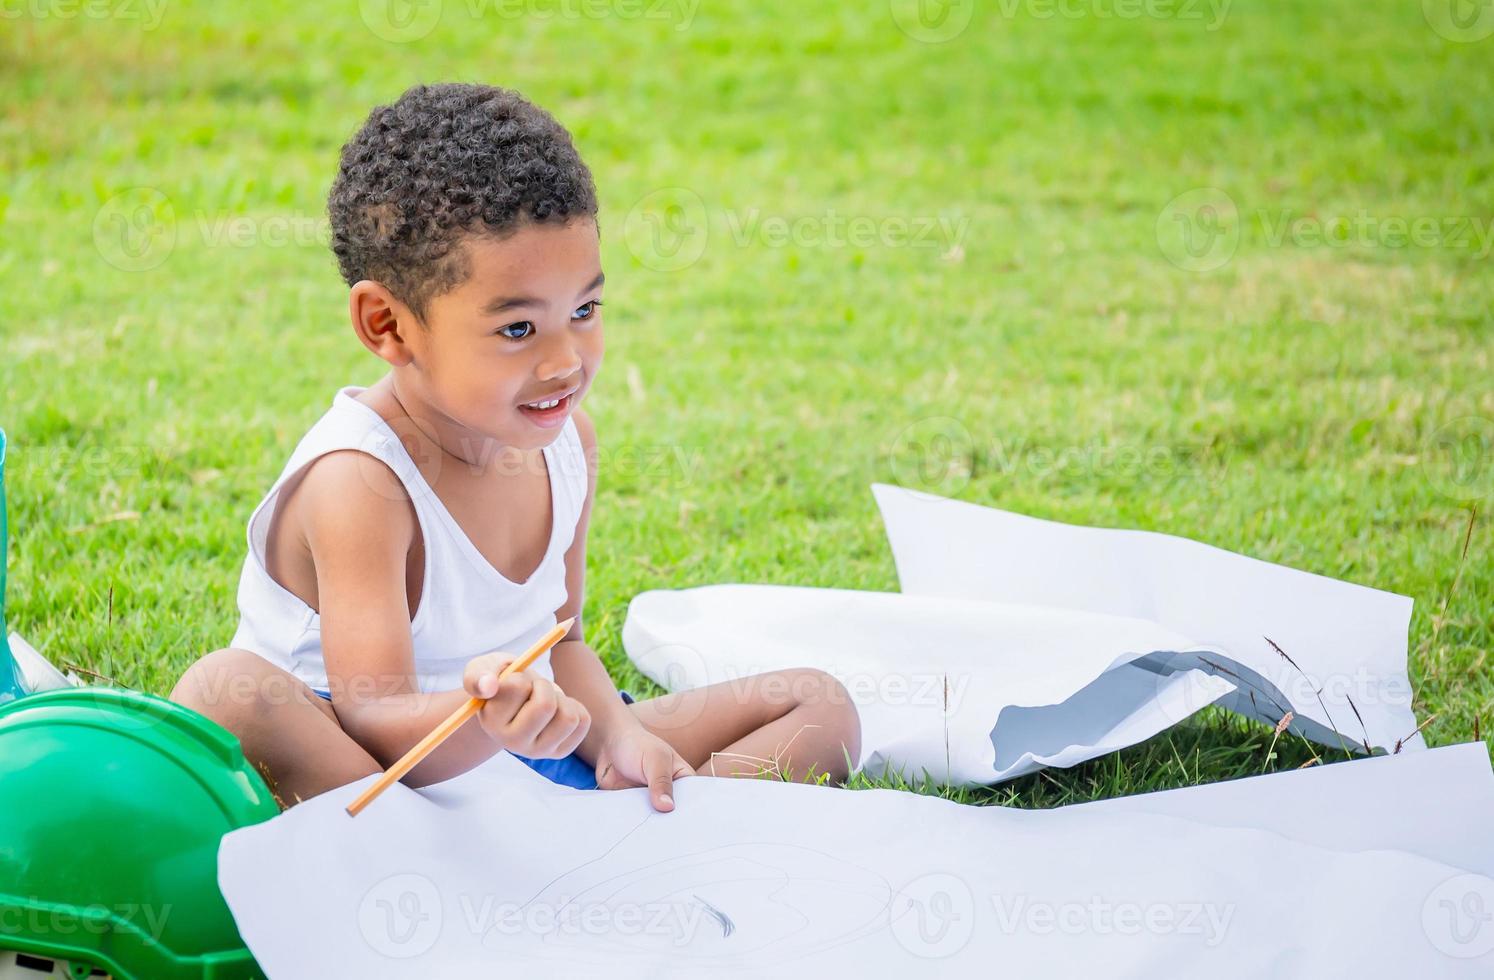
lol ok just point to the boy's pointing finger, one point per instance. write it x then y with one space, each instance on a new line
658 769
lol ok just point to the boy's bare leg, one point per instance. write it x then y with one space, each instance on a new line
794 724
288 733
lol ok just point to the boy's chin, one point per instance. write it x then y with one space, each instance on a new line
525 433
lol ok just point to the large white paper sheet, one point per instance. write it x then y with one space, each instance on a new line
1439 796
931 676
1348 642
1058 643
499 872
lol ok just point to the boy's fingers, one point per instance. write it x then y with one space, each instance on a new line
572 739
505 697
480 676
555 736
658 769
518 685
607 778
535 712
583 724
514 691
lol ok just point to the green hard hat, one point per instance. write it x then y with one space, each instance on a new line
9 686
112 803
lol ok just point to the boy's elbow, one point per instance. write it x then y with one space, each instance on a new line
383 727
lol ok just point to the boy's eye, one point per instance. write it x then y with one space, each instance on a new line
524 327
586 310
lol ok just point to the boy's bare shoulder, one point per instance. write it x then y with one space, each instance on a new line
348 513
346 507
347 494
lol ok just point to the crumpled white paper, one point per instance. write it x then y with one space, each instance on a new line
1019 643
1371 868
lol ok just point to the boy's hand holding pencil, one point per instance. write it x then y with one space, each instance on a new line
532 713
525 713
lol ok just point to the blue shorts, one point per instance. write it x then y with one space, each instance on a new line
569 771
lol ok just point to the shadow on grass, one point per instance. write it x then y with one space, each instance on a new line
1213 746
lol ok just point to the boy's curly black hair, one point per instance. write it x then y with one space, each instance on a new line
441 163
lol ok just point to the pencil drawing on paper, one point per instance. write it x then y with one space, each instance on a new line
765 899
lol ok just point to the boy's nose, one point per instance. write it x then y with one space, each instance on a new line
561 360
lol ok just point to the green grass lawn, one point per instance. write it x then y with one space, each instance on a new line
840 249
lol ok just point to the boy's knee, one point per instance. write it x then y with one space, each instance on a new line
828 698
232 687
842 714
820 690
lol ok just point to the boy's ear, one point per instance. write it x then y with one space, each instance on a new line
383 323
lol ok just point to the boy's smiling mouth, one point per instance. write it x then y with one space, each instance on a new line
551 410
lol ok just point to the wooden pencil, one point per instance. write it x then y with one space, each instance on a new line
455 720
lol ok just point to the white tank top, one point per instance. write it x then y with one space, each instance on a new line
466 606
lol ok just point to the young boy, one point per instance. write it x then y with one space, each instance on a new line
441 513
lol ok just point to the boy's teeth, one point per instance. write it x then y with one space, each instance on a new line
543 405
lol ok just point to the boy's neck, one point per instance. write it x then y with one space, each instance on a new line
480 455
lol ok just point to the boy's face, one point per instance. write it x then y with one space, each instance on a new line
524 328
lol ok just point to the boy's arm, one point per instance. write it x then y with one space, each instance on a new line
359 538
618 746
576 666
